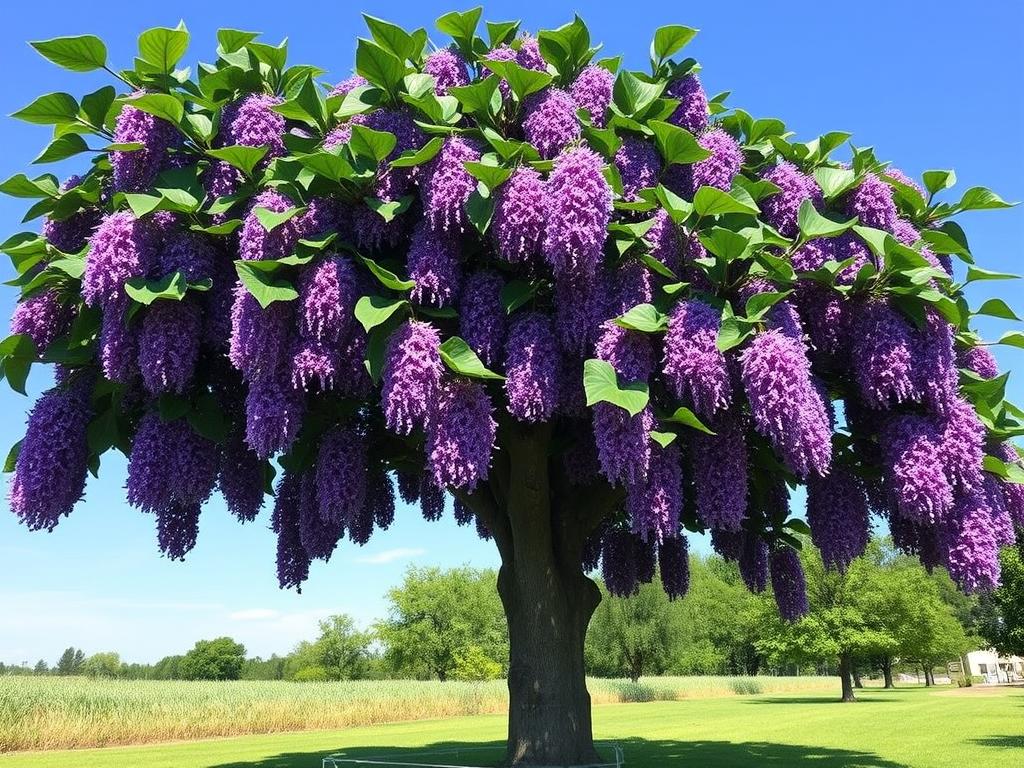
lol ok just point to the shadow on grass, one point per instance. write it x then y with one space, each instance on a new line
866 699
639 753
1013 742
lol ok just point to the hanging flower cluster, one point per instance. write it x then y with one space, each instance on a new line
393 280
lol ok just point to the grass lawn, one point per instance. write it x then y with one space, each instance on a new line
916 727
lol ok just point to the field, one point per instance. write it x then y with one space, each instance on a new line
68 713
905 728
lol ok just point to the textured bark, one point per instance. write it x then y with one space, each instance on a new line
845 676
887 673
857 682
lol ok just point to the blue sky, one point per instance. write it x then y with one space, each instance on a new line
929 85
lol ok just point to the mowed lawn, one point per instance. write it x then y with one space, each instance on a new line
915 727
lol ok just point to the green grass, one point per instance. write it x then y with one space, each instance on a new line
905 728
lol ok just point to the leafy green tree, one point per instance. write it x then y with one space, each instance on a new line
264 669
435 615
341 652
632 636
41 668
472 663
219 659
168 668
70 662
1005 629
103 665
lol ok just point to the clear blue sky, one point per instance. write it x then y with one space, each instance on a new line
929 85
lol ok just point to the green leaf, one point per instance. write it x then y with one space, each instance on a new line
996 308
457 355
160 104
664 439
797 525
725 243
516 293
17 353
460 26
82 53
687 417
239 156
499 32
274 56
61 148
224 228
644 318
375 145
813 225
52 109
142 204
732 331
834 181
677 145
479 210
327 164
391 37
760 303
172 287
163 47
975 274
12 457
96 105
601 384
388 209
980 199
670 39
70 266
307 105
372 311
711 201
272 219
936 181
491 175
380 67
258 278
477 97
1012 339
522 81
633 95
232 40
420 156
386 277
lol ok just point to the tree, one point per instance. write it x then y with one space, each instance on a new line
483 305
471 663
437 615
103 665
41 668
70 662
168 668
634 635
341 652
1005 631
219 659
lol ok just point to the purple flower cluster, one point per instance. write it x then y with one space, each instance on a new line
533 368
169 345
592 91
255 243
292 559
788 583
448 69
482 318
341 475
912 451
619 563
259 336
639 164
981 361
781 209
550 123
136 170
447 185
753 562
579 208
327 297
528 56
719 472
674 564
71 234
433 261
170 465
119 345
241 478
460 434
695 369
273 414
654 504
837 511
719 169
884 351
42 317
518 223
973 552
122 247
871 202
411 379
692 112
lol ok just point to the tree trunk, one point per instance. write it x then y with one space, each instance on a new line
887 674
857 682
845 674
929 678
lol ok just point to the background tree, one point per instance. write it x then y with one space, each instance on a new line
41 667
219 659
633 636
436 615
341 652
103 665
70 662
570 294
1004 629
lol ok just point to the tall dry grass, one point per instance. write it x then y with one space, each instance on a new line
40 713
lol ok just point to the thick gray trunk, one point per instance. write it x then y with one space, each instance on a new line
846 675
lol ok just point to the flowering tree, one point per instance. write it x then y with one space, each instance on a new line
594 305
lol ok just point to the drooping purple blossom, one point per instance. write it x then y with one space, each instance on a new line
692 112
550 123
169 345
49 474
447 185
579 208
665 241
655 503
313 366
119 344
695 370
979 360
251 122
352 378
935 363
837 512
341 474
431 498
871 202
273 414
781 208
448 69
327 298
883 355
719 469
618 563
411 376
753 562
259 337
136 170
962 445
482 320
460 434
292 558
319 535
71 234
592 91
646 555
634 284
786 406
177 529
788 583
241 479
434 266
380 497
408 486
639 164
346 86
719 169
42 317
170 463
972 551
255 243
528 56
674 565
532 368
913 468
121 248
518 222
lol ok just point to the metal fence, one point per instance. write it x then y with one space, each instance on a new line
458 757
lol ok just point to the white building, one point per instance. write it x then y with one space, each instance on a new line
994 668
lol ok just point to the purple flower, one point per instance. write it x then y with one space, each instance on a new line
654 504
122 247
257 244
42 317
411 378
319 535
273 414
431 498
136 170
463 514
665 240
897 175
482 316
408 486
837 511
170 464
258 336
781 208
434 265
694 368
972 550
448 69
447 185
719 468
532 367
753 562
314 366
119 345
518 223
361 528
913 468
189 253
592 91
618 563
503 52
883 355
241 478
550 122
981 361
460 434
633 285
1013 493
177 529
392 183
579 208
292 559
353 380
719 169
380 497
348 85
327 299
935 363
674 564
528 56
786 406
692 112
71 234
871 201
581 305
49 474
251 122
639 165
341 471
169 345
962 445
788 583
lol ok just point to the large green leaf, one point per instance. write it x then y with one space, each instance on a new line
163 47
259 279
834 181
380 67
169 287
813 225
522 81
711 201
386 277
980 199
997 308
419 156
372 311
633 95
272 219
670 39
601 384
241 157
20 185
644 318
52 109
61 148
374 145
677 145
683 415
160 104
81 53
460 358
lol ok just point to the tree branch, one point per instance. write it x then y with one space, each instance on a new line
482 502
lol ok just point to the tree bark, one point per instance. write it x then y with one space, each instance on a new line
857 682
845 675
887 673
929 678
